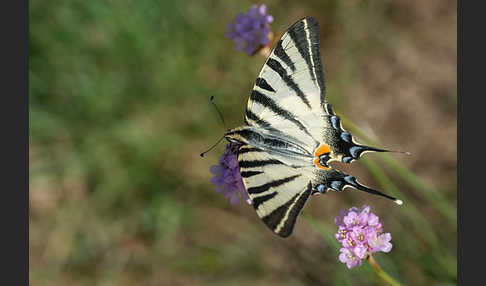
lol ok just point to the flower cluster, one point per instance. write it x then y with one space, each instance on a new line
252 30
360 234
227 176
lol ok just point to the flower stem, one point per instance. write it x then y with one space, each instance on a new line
382 273
265 51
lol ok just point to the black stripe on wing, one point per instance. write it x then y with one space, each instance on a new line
247 174
282 220
249 115
285 114
258 163
305 34
256 202
272 184
248 149
281 54
278 68
263 84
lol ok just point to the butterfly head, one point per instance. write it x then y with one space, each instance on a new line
236 135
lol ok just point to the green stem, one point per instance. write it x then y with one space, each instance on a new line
329 237
440 202
383 275
413 213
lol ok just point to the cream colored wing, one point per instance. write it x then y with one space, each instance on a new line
278 190
289 91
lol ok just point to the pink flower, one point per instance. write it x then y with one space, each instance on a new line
360 234
380 242
348 257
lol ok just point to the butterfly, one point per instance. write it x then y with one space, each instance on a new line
291 133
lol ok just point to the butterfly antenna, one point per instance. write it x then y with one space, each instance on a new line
211 99
212 147
352 182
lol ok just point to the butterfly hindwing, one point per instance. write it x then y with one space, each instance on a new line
278 191
280 185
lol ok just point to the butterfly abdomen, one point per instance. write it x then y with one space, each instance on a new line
263 139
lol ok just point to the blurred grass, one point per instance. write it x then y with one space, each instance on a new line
441 204
119 114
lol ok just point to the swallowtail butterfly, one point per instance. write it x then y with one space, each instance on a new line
291 133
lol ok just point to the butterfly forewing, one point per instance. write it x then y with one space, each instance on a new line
289 90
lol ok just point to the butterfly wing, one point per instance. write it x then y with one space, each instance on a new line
278 190
280 185
289 91
288 98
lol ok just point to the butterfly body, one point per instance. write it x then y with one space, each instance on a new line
291 133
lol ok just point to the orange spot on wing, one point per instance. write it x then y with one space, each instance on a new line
323 149
318 165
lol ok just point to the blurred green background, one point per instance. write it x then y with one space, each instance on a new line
119 113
